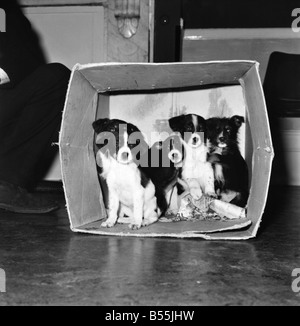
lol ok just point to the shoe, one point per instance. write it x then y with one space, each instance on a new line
18 200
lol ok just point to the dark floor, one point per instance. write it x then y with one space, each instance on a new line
47 264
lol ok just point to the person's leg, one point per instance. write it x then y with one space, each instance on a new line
30 118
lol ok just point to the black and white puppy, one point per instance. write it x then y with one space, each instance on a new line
131 192
231 171
164 168
197 172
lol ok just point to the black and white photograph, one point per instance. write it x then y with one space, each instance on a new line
149 155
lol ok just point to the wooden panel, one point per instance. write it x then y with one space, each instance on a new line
115 48
134 49
81 33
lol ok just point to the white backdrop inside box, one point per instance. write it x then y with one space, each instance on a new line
151 112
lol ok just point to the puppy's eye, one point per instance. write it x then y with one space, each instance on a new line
134 143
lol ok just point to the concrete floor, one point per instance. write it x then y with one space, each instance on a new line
47 264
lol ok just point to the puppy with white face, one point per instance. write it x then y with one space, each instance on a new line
131 192
197 172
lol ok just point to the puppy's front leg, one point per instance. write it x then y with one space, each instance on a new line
194 188
151 212
209 181
138 208
113 202
125 211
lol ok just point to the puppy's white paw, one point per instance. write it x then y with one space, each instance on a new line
150 220
196 193
134 226
124 220
171 212
107 224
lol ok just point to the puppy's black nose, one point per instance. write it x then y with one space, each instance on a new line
125 156
222 139
175 156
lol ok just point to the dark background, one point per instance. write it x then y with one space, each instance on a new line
172 15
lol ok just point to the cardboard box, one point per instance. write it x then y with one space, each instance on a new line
148 95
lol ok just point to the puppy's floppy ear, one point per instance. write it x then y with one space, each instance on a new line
177 122
202 123
237 120
131 128
209 123
136 137
210 127
100 125
201 119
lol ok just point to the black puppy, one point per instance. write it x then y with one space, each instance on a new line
164 169
230 168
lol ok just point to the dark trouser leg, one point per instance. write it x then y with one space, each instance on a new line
30 118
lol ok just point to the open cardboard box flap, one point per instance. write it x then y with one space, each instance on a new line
90 89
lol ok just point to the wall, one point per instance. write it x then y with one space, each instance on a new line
86 31
64 20
81 33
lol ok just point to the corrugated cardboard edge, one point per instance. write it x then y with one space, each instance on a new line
272 154
79 66
75 68
183 235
